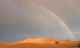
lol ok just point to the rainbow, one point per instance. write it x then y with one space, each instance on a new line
60 20
69 32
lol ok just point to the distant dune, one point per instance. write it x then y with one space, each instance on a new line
41 43
46 41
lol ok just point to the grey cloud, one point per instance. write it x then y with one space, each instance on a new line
18 22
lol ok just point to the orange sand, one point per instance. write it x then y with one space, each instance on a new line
41 43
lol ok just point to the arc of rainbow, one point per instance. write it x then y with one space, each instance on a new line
61 21
53 15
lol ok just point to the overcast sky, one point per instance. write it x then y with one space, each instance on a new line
23 19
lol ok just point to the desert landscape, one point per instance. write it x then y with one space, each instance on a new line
42 43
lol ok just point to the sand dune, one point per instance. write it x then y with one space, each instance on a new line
41 43
46 41
33 45
38 40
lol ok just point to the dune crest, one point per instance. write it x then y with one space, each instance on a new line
46 41
38 40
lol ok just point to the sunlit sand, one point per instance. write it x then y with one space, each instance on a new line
42 43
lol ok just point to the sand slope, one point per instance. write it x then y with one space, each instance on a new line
32 45
41 43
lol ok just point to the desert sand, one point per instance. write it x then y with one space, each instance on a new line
41 43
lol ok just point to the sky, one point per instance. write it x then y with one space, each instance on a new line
21 19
